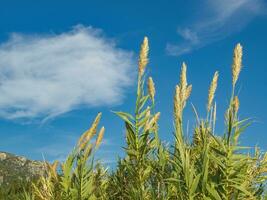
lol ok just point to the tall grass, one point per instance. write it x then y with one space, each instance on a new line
207 166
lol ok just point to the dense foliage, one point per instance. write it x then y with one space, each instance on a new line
206 166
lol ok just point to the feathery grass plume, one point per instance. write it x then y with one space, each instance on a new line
94 125
151 88
153 121
188 92
237 63
54 167
183 83
148 112
82 145
147 116
88 151
235 104
182 93
212 90
91 132
177 104
143 56
100 137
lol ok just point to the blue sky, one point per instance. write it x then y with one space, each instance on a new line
62 62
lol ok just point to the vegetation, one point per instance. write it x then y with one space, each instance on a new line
206 166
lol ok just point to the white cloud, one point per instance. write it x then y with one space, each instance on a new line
46 75
217 20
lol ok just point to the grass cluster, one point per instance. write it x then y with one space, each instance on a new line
207 166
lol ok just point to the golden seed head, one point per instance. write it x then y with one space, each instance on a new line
55 165
182 93
86 137
151 88
236 104
188 92
212 90
177 99
156 117
237 63
183 82
95 123
91 131
147 117
82 145
53 168
148 113
143 56
152 122
177 103
88 150
100 136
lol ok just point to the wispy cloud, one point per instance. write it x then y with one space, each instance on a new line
217 20
46 75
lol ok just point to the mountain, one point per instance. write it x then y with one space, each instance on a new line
15 168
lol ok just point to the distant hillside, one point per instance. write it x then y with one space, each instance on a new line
17 168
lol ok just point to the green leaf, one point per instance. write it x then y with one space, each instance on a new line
242 189
213 192
125 116
195 184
